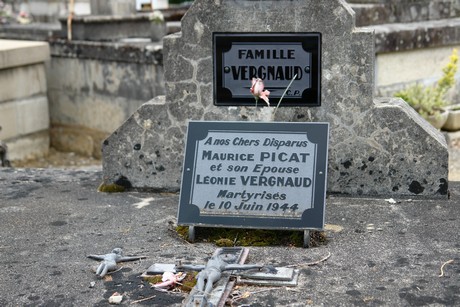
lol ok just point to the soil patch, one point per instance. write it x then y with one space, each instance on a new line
58 159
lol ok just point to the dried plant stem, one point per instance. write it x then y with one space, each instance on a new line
113 272
143 300
312 263
443 265
282 96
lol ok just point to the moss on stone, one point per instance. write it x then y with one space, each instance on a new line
189 282
252 237
110 188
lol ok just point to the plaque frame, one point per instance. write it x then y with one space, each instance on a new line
311 43
312 218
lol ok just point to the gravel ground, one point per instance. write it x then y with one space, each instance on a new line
377 253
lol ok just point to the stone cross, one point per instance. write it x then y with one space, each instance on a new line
213 280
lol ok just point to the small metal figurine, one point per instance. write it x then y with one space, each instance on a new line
212 271
109 261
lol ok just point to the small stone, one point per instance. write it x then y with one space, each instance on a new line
333 228
92 284
116 299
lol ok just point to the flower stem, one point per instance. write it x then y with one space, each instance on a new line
282 96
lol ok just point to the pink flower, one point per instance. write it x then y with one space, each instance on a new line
169 280
258 91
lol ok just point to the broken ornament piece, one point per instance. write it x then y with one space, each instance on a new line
116 298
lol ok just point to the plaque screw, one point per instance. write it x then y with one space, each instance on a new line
307 69
226 69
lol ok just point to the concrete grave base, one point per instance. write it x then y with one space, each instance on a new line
31 146
24 110
377 147
82 140
148 150
25 127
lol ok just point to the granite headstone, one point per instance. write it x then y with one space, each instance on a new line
377 146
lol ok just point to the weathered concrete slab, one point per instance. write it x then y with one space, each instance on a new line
110 81
394 68
50 220
31 32
112 26
19 53
22 81
369 12
282 273
21 117
409 36
285 277
114 7
377 147
107 28
30 146
24 112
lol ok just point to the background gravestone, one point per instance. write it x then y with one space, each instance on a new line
377 146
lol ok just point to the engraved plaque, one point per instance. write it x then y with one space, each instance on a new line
254 174
277 59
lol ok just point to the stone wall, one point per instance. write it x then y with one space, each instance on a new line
377 147
49 11
396 70
113 7
94 87
413 40
374 12
24 115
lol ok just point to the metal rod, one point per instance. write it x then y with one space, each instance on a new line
306 238
191 233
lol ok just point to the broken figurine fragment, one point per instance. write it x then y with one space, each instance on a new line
169 280
109 261
116 299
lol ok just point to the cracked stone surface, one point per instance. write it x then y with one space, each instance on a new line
377 146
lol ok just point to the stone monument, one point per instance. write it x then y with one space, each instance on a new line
378 147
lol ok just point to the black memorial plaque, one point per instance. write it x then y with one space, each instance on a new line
254 175
273 57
